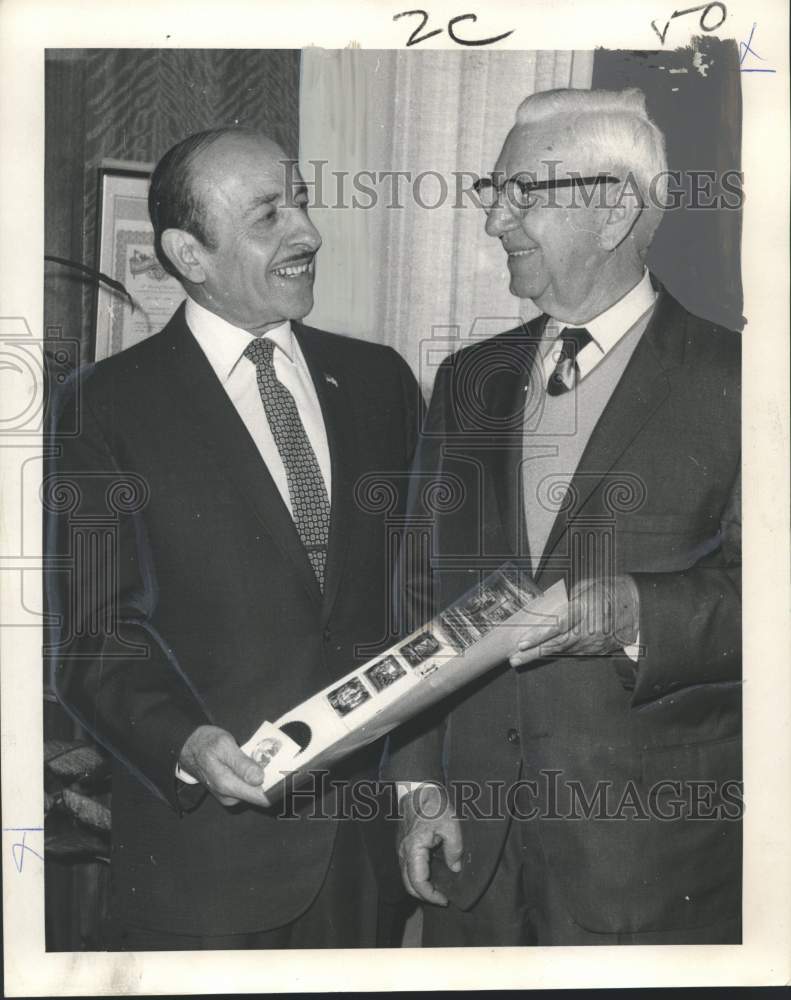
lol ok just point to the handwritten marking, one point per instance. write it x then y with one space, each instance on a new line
745 48
706 8
467 41
416 37
20 847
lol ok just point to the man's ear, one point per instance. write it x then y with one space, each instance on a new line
619 220
185 253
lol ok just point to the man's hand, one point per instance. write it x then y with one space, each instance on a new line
426 822
213 756
601 617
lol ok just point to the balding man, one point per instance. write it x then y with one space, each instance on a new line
245 576
596 775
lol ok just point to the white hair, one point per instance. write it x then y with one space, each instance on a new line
614 134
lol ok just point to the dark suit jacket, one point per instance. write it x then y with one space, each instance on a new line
187 598
655 495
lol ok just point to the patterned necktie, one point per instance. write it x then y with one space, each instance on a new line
567 373
306 487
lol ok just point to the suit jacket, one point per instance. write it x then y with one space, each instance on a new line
655 495
187 598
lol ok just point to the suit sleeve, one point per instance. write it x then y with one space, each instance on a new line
414 406
690 622
109 665
415 749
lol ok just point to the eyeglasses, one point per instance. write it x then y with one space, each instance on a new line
518 193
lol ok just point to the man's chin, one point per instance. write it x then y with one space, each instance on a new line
299 305
523 289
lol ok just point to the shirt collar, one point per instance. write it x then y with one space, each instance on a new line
224 344
608 327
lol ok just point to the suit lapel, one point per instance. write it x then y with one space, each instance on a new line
641 389
338 422
508 396
223 434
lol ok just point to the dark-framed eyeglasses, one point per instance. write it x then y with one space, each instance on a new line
518 193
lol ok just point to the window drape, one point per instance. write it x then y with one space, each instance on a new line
389 142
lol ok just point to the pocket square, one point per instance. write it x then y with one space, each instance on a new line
331 379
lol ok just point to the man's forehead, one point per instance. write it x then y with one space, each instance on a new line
243 159
538 148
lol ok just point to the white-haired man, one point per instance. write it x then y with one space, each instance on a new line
595 776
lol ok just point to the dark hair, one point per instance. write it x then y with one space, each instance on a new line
172 200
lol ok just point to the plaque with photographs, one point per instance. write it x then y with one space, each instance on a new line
384 672
348 696
473 635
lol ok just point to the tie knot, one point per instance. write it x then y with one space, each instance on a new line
260 351
574 340
564 377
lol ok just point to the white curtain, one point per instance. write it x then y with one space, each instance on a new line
420 278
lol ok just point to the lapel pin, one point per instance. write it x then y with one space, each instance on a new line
331 379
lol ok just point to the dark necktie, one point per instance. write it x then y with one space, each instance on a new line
309 501
566 374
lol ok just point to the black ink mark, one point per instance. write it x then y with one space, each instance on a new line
713 27
706 8
482 41
660 33
416 37
746 48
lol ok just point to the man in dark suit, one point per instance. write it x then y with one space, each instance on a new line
596 776
218 568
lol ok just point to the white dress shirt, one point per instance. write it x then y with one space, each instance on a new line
224 346
606 329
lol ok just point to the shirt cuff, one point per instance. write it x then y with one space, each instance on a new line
186 778
633 649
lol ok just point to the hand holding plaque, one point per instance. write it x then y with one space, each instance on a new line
474 634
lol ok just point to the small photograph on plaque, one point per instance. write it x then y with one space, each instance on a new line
348 696
265 750
384 673
490 604
421 648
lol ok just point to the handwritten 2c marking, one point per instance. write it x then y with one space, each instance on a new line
416 36
705 18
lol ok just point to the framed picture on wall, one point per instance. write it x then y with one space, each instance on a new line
125 251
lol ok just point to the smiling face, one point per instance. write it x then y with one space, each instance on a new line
554 251
258 268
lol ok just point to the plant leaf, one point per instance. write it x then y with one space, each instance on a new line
73 759
87 810
98 276
65 839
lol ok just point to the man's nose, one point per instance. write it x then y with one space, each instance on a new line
304 232
500 220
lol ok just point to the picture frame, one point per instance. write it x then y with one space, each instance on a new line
125 252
